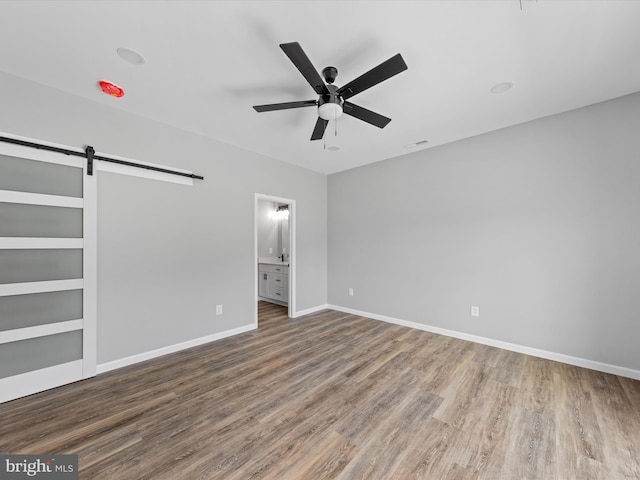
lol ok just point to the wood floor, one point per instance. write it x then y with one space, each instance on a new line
336 396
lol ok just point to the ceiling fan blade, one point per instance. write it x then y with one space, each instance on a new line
284 106
365 115
301 61
318 131
378 74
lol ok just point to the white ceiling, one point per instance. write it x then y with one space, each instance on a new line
208 63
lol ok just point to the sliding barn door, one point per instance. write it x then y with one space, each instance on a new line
47 271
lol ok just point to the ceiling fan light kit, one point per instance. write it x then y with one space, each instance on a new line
331 101
329 111
330 105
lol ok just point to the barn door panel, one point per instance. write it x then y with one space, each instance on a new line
47 271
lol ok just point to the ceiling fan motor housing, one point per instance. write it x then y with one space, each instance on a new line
330 105
329 74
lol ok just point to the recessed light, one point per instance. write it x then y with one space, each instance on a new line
501 87
130 56
333 148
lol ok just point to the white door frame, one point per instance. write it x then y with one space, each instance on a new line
292 250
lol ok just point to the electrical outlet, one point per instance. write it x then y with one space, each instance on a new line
351 292
270 250
475 311
218 309
284 250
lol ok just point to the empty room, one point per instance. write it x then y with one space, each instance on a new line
304 240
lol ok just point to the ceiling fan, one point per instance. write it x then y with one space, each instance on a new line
332 101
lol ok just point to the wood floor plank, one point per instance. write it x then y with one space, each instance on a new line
532 448
441 364
337 396
292 394
488 419
64 439
106 444
537 386
324 462
577 427
509 369
622 417
402 426
461 393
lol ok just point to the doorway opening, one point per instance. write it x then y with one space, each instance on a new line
275 253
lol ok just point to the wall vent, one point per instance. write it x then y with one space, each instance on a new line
417 144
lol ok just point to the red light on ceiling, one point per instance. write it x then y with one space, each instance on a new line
111 89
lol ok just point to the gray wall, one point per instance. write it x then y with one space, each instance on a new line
169 253
537 224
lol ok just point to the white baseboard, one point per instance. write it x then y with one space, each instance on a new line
558 357
309 311
141 357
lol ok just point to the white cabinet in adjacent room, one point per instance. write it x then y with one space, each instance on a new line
273 282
